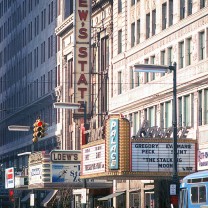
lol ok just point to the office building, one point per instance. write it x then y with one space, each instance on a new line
160 33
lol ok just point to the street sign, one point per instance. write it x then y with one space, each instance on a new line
172 189
32 200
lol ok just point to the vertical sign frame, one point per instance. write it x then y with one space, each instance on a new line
114 145
82 52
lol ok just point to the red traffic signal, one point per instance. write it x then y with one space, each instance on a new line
39 130
11 195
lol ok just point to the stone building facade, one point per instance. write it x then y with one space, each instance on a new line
160 33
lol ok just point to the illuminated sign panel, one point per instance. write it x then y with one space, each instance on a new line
9 178
93 159
158 157
203 159
113 144
35 174
82 26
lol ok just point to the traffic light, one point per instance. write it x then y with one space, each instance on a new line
39 130
11 195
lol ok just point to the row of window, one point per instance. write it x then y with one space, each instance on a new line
29 61
32 28
47 114
161 115
185 58
29 93
5 5
167 9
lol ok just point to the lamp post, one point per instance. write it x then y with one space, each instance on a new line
75 106
163 69
24 128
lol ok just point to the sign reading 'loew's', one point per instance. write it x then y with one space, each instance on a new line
158 157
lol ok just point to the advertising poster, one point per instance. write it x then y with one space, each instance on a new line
69 173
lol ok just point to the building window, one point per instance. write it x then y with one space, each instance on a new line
36 25
203 107
135 199
146 74
181 54
152 59
152 116
36 57
189 51
170 12
135 123
168 115
201 45
200 107
162 116
138 31
162 60
206 106
43 52
119 82
43 19
170 56
180 112
147 26
164 16
50 46
104 53
104 68
202 3
186 113
185 110
50 12
68 8
132 34
182 9
132 2
119 41
138 78
131 80
119 6
162 57
190 7
50 80
153 22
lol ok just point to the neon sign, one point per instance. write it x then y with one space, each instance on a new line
82 25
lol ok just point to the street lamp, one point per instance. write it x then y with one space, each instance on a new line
24 128
163 69
75 106
18 128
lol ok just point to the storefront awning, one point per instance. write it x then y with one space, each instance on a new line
26 197
105 198
47 199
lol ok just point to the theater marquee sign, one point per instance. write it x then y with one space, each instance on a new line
158 156
119 156
94 159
